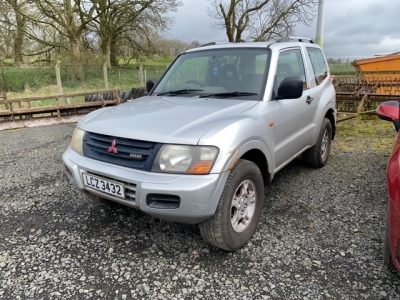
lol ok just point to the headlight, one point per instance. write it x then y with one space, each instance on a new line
77 140
185 159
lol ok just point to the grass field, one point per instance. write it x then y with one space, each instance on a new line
342 69
33 80
377 133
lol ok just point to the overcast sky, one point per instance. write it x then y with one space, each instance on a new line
353 29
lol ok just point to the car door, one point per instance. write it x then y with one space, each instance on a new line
294 118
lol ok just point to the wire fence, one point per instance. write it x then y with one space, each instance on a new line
73 78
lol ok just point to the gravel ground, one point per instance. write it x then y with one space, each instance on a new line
319 237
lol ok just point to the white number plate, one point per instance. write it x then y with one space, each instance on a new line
102 185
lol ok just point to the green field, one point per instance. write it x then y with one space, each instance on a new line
342 69
32 80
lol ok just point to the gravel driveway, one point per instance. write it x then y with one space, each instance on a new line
319 237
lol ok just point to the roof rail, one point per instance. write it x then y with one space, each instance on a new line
208 44
295 39
214 43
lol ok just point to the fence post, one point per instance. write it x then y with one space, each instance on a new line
105 75
58 76
141 74
59 84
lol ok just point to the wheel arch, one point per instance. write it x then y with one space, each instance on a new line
330 114
257 157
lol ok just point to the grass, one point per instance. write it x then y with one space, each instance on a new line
342 69
35 81
364 132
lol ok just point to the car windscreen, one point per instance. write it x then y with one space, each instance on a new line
220 73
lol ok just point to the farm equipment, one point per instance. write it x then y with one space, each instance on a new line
377 80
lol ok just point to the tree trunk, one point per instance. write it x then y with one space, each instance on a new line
105 49
77 68
113 53
75 49
18 46
19 36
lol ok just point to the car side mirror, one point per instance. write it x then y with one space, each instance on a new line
390 111
290 88
150 83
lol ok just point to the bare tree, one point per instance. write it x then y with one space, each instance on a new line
74 27
130 20
68 18
13 25
261 20
6 30
20 23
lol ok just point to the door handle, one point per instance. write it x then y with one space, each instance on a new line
309 99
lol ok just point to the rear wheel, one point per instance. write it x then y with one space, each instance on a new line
239 209
318 155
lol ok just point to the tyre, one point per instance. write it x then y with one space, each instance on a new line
239 209
134 92
138 92
123 96
387 257
129 96
318 155
126 96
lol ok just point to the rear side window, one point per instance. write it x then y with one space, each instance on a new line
318 63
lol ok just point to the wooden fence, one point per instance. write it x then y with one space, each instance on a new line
26 112
353 97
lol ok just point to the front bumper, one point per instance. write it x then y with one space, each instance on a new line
190 198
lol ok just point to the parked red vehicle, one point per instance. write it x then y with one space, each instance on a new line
390 111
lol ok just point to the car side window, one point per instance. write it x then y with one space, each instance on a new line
318 64
290 63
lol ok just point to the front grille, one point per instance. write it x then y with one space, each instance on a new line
125 152
130 191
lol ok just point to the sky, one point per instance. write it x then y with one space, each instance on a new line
353 29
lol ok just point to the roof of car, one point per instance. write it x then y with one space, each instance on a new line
283 41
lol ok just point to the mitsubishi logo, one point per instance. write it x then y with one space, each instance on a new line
113 149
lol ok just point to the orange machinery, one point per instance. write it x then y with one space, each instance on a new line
382 71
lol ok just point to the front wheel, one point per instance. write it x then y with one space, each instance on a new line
239 209
318 155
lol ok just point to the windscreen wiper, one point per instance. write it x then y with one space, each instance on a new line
228 94
179 92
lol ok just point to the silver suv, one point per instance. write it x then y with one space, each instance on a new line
217 126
